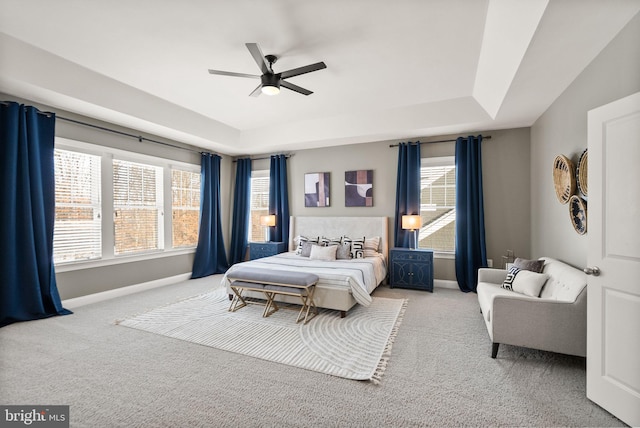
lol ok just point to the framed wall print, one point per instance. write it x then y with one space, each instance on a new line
358 188
316 189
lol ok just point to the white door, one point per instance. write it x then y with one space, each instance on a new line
613 227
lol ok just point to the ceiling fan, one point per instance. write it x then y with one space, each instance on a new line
270 81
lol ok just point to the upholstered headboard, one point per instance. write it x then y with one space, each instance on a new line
330 227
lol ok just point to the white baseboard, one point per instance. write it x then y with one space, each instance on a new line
445 283
123 291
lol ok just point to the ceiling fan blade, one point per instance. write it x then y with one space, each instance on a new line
295 88
231 73
258 56
302 70
257 91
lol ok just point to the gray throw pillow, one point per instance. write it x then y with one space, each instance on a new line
306 248
532 265
344 251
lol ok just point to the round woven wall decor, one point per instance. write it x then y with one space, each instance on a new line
578 214
581 173
564 178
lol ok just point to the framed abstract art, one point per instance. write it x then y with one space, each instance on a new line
316 189
358 188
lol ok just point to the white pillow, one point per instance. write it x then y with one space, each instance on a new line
323 253
525 282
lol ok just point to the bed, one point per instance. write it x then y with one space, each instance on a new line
342 283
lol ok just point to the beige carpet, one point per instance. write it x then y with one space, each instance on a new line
355 347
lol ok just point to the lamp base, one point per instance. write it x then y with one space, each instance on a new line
413 244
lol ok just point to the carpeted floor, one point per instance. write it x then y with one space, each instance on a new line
440 374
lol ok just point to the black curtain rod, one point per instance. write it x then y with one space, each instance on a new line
140 138
488 137
264 157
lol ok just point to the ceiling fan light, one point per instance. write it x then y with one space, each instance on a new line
270 84
270 90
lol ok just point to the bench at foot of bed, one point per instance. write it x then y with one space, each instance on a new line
271 283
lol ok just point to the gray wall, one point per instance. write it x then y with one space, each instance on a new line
562 129
506 186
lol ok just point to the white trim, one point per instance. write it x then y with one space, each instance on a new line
445 283
76 302
443 255
88 264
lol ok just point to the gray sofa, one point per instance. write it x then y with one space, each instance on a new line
555 321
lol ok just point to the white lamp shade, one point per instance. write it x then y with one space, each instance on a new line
268 220
411 222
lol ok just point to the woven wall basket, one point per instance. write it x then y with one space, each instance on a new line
564 178
578 214
581 173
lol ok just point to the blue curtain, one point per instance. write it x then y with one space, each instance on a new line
210 255
279 199
241 210
27 214
407 189
471 252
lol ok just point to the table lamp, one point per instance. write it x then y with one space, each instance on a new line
267 221
412 222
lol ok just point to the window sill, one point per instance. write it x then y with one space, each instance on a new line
443 255
89 264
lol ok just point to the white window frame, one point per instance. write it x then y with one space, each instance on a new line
436 162
95 205
184 169
260 173
107 154
159 206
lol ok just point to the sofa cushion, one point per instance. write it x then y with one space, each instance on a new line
532 265
524 281
565 282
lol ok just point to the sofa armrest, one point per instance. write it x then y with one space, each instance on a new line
492 276
544 324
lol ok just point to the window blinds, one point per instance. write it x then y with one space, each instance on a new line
77 229
137 204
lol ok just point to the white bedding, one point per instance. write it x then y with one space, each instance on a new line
360 276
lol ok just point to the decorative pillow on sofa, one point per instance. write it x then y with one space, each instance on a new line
319 252
525 281
532 265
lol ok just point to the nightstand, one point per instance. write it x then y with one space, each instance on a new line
411 268
258 250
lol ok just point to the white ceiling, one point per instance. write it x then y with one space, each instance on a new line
395 69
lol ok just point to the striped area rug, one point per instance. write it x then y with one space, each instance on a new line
355 347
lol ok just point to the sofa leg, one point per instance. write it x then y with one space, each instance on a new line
494 349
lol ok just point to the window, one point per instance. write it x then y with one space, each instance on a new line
78 224
137 207
438 204
259 203
111 203
185 207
